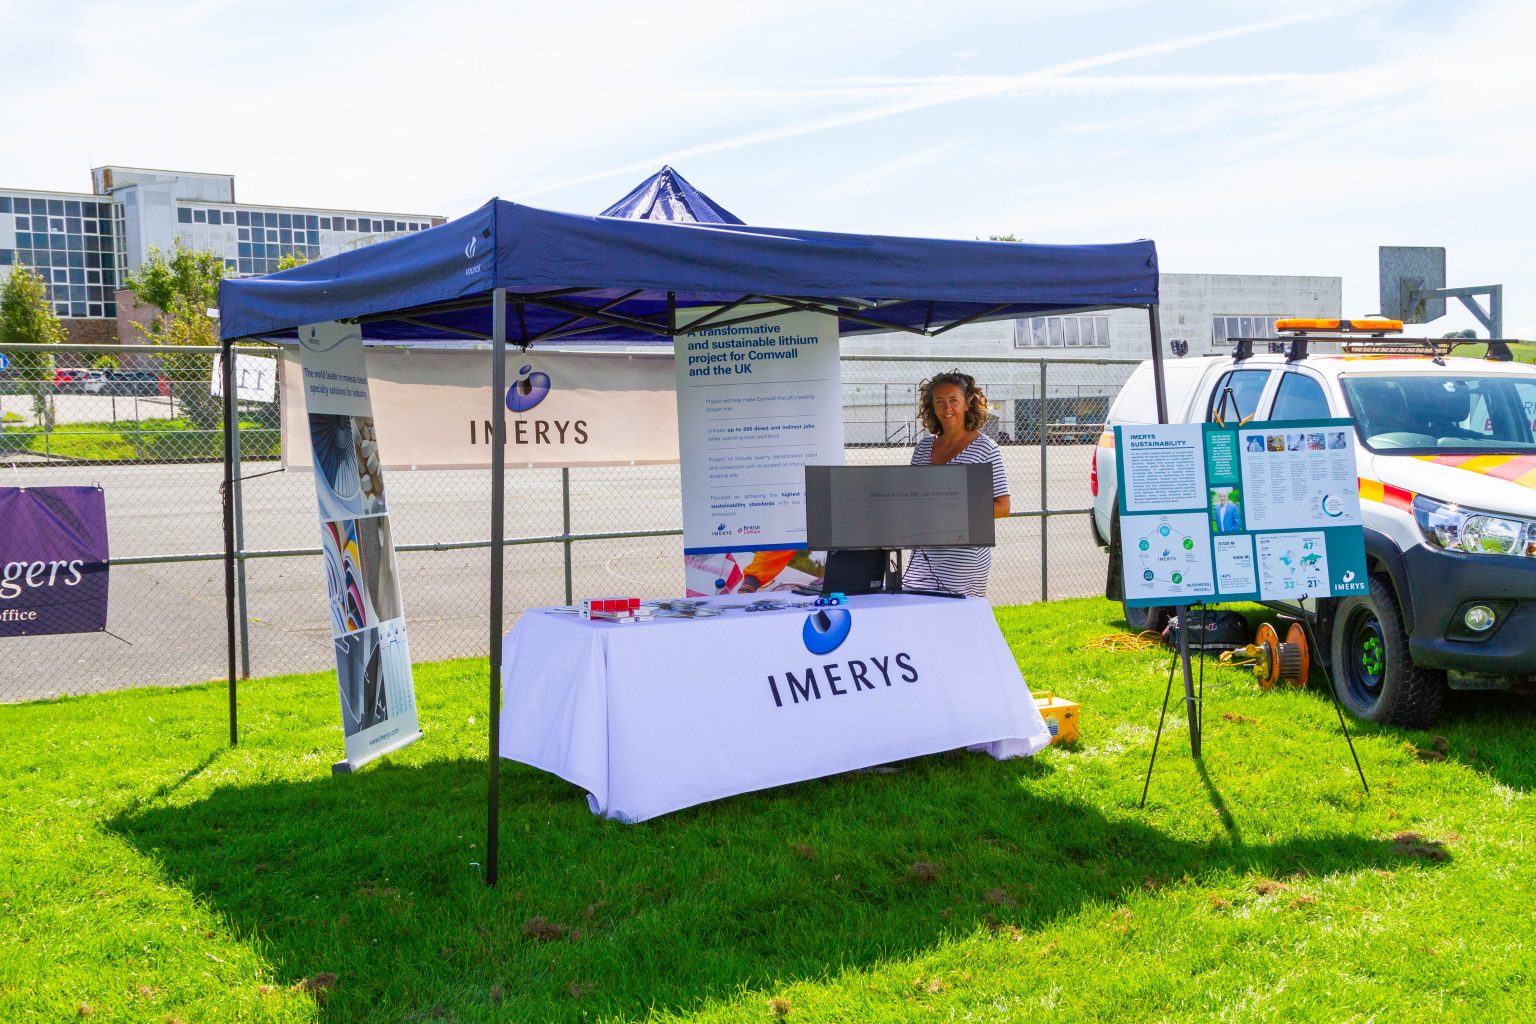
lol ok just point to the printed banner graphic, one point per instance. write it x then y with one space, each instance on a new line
53 560
373 664
1256 512
563 409
757 402
746 572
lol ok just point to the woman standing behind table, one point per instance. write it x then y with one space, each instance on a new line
953 409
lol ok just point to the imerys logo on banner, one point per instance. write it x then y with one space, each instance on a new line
524 395
563 409
823 632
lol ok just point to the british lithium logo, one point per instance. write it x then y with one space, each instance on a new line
825 629
528 390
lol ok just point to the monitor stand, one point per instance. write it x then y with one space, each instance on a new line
865 572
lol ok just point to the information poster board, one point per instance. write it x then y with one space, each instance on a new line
757 402
1244 512
373 662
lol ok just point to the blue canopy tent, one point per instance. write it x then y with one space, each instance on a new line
512 273
667 195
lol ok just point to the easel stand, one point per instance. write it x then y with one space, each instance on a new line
1194 698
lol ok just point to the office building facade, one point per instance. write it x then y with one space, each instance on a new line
85 244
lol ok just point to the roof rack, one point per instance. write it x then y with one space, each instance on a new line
1294 347
1498 349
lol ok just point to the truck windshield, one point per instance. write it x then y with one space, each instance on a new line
1422 414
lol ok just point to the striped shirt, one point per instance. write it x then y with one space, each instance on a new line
959 570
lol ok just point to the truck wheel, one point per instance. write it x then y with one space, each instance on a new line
1140 620
1372 672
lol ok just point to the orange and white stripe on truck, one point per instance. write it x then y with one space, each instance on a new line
1517 469
1375 490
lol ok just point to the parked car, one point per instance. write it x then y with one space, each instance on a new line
71 378
1446 458
135 383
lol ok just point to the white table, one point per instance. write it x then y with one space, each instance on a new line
651 717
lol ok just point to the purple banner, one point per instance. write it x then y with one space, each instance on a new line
53 560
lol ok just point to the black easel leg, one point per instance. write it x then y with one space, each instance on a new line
1333 694
1168 693
1191 706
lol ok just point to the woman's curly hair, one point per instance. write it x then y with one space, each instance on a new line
975 404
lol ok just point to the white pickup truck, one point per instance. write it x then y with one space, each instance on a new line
1447 468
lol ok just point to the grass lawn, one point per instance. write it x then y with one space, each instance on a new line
1523 351
151 873
146 440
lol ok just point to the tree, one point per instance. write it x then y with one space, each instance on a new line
291 259
183 288
26 317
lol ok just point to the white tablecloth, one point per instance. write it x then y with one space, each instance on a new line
650 717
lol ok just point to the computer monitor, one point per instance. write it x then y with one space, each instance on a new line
887 508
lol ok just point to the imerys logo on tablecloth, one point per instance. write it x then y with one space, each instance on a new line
825 629
823 632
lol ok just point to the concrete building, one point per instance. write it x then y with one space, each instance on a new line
1202 310
84 244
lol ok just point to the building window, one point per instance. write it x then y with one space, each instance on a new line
1061 332
1226 328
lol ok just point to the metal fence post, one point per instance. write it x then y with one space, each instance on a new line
565 506
240 600
1045 519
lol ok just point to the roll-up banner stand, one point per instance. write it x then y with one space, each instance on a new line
373 663
757 402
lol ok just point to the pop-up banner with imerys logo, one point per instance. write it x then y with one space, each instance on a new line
563 409
373 661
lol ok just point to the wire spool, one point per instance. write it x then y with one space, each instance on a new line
1267 663
1296 637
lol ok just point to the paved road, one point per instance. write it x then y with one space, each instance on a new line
167 620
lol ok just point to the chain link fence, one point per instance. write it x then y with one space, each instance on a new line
146 429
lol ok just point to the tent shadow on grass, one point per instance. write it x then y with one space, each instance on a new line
368 877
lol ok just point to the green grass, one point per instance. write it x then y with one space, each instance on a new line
144 441
1523 351
153 873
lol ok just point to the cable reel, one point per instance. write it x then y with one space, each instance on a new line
1273 659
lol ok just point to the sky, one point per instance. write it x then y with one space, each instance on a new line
1242 137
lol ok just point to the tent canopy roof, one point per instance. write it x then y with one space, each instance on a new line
570 276
667 195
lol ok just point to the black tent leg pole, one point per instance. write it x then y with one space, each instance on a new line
227 366
1159 383
498 527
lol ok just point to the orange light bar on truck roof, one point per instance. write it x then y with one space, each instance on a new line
1341 326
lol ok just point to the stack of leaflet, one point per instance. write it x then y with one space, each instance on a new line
614 609
681 608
